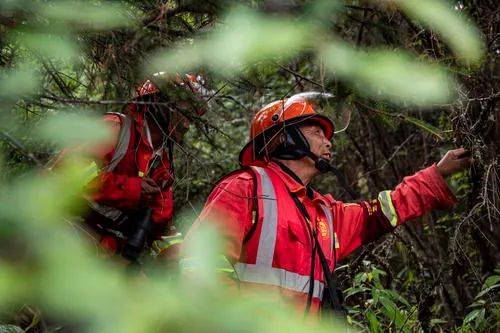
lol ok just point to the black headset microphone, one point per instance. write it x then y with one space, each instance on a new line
324 166
296 146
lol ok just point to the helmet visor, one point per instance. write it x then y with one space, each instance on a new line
323 104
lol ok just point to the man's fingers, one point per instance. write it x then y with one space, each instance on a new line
460 153
465 161
464 153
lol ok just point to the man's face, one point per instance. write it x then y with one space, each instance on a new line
175 128
318 142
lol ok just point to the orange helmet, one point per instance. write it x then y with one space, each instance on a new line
147 88
195 83
276 116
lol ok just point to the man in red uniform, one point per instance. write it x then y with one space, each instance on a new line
133 174
280 234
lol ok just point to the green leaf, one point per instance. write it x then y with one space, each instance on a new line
87 14
491 281
390 306
204 256
246 37
389 75
392 312
355 290
4 328
395 296
50 45
477 313
71 130
375 295
487 290
373 322
436 321
423 125
479 302
10 288
448 21
19 82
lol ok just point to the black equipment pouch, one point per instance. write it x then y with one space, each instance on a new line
327 306
137 240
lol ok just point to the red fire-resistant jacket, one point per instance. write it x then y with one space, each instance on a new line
274 249
121 187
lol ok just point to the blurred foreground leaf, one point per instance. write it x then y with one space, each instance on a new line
246 37
70 130
65 277
49 45
87 14
16 83
450 23
389 75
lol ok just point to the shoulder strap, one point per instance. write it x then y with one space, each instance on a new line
123 141
255 207
330 277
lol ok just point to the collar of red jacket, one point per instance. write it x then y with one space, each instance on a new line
293 183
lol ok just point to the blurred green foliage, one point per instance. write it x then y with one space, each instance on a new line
445 18
50 54
245 37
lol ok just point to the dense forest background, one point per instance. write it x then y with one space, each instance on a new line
417 77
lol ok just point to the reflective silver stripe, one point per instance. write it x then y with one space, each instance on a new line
388 209
195 263
120 151
278 277
329 218
267 241
123 141
263 271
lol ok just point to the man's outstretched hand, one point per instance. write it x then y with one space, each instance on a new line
453 161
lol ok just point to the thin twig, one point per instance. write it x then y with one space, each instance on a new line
21 148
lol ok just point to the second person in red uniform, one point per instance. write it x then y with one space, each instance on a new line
134 172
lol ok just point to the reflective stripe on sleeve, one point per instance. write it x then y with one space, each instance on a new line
387 206
167 241
91 171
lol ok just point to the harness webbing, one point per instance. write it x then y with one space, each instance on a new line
330 278
263 271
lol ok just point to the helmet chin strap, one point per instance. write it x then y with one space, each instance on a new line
324 166
296 146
